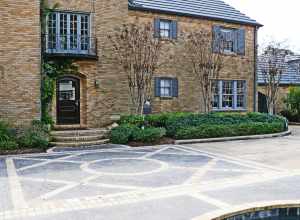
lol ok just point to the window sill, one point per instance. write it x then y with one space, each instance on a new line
167 98
230 110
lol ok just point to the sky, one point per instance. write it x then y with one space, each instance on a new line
280 19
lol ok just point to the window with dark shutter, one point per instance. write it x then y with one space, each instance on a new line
166 87
166 29
228 40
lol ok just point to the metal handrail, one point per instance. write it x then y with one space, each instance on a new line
69 44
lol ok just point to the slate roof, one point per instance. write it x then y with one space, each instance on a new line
291 75
209 9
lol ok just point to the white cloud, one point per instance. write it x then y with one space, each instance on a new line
280 19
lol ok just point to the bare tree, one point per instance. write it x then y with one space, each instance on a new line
204 63
272 66
137 52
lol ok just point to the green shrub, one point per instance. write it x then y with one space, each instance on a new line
7 139
148 135
292 105
214 131
196 120
35 136
122 134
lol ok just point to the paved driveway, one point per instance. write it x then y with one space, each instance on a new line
160 182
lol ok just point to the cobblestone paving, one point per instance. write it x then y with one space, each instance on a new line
159 182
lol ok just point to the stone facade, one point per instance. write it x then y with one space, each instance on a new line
20 53
104 89
236 67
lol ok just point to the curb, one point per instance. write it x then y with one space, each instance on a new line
294 123
237 138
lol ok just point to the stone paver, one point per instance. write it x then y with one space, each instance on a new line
159 182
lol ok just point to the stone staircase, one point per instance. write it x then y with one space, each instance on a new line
78 137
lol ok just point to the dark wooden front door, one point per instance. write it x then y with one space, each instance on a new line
68 101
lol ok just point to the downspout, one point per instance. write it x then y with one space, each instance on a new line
255 69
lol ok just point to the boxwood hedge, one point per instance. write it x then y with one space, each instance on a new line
185 125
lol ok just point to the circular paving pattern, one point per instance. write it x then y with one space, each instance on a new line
124 166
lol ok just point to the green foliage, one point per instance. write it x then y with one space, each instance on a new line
7 141
148 135
214 131
136 120
292 102
122 134
196 120
35 136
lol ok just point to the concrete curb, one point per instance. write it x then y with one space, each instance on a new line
246 208
237 138
294 123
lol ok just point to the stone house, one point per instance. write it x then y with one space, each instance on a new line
78 30
289 78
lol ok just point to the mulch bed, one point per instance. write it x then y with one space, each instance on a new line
22 151
161 141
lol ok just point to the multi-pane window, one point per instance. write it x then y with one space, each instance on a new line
166 87
229 95
165 28
52 31
68 32
216 93
228 38
240 94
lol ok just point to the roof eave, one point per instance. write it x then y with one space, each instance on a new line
141 8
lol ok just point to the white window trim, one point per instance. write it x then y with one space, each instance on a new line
220 93
166 96
170 28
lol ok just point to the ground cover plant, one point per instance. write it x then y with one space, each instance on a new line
194 126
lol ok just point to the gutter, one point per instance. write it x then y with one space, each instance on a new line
255 69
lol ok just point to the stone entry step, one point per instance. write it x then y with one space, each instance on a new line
76 138
79 143
72 133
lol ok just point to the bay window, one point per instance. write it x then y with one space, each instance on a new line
68 33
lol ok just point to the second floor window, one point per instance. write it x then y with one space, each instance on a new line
165 28
229 41
68 32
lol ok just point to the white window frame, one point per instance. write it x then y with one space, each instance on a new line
164 21
234 94
224 33
162 80
78 49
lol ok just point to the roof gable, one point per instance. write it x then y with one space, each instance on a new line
210 9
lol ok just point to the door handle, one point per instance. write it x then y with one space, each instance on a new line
77 102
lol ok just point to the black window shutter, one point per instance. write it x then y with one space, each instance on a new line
175 87
157 87
156 27
216 39
241 38
174 32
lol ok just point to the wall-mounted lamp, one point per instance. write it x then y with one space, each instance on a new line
97 83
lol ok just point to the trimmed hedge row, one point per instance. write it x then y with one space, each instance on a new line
125 133
194 126
215 131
